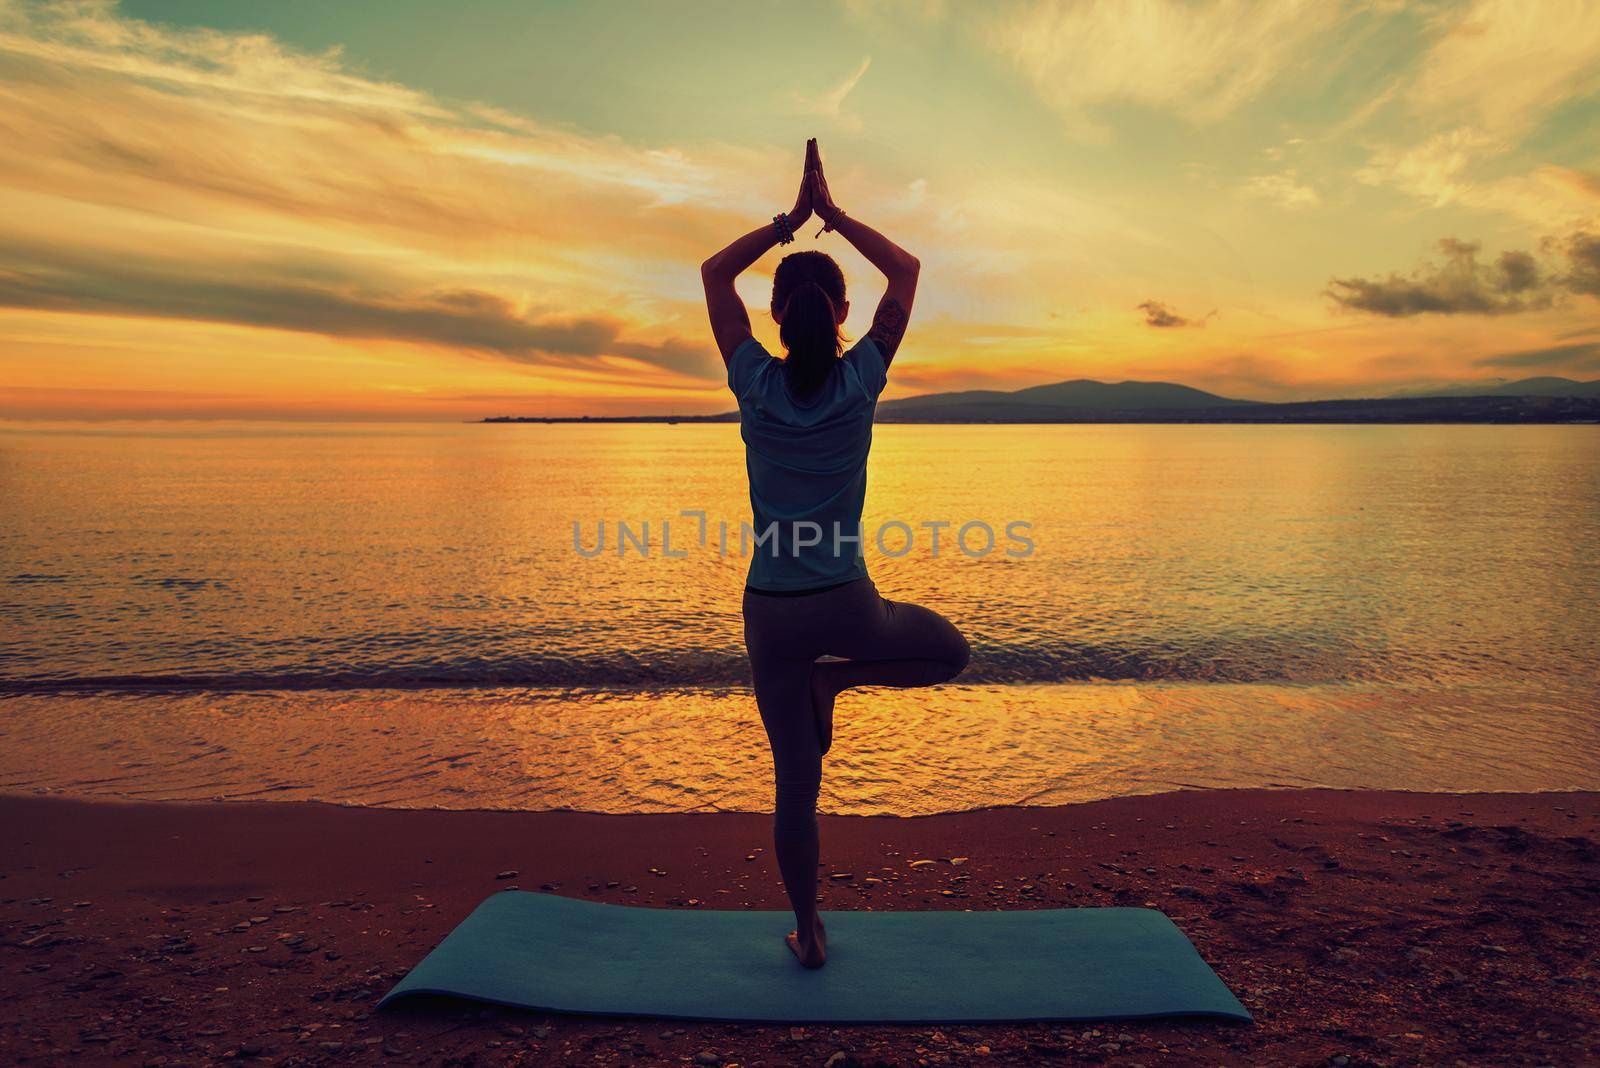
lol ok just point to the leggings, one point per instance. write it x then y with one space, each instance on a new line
884 643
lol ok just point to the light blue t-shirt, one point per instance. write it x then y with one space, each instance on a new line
807 461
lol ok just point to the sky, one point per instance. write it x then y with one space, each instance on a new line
410 210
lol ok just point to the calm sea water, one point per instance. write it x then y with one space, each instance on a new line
398 615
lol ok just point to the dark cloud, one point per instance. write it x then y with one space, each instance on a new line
1519 272
319 302
1583 258
1460 284
1158 315
1577 357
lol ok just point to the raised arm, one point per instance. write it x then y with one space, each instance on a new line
899 267
730 322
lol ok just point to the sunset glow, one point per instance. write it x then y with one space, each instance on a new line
260 211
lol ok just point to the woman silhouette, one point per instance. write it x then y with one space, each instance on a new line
806 421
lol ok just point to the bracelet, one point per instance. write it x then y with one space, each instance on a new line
827 224
785 232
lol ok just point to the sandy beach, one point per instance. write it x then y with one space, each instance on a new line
1358 927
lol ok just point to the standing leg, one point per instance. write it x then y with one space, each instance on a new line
784 699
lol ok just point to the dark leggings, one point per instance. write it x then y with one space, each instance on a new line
884 643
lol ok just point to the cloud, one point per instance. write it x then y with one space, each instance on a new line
77 127
213 177
830 104
1460 285
1283 189
1576 357
1198 60
1493 76
1516 281
1503 65
1440 170
1585 184
1158 315
1431 170
1583 258
89 36
279 297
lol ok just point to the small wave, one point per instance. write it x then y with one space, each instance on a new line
718 670
27 578
177 582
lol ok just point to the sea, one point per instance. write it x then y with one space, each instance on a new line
541 616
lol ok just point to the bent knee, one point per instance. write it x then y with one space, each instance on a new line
958 654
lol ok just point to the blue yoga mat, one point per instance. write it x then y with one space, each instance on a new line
558 954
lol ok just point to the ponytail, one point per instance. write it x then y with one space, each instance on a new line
810 333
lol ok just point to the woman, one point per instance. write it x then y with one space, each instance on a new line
806 420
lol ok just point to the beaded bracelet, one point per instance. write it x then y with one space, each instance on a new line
785 234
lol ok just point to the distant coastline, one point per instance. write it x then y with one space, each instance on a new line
1528 400
1485 409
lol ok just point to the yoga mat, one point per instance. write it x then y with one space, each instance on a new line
558 954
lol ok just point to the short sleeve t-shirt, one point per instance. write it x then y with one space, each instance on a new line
807 462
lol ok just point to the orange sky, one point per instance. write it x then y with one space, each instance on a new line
359 217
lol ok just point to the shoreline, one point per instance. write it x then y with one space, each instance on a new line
674 420
902 754
1382 927
1175 793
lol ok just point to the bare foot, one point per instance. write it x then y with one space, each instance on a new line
811 951
822 696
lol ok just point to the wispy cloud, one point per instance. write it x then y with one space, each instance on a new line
830 104
1198 60
1285 189
1495 71
1503 65
1572 358
1432 170
196 175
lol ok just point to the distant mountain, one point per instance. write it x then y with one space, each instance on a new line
1546 386
1059 400
1531 400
